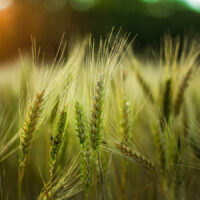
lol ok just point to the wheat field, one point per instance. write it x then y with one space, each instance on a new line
102 123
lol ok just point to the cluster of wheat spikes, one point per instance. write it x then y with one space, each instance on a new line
103 124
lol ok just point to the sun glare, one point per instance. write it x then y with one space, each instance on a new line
195 4
5 4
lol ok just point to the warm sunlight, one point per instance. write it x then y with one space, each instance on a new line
5 4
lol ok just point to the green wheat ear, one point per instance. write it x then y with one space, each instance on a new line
160 148
145 87
125 124
56 139
96 116
179 98
166 103
81 124
96 128
86 151
29 129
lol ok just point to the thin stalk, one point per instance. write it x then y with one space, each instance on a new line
20 178
101 177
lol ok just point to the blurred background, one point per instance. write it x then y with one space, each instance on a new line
46 20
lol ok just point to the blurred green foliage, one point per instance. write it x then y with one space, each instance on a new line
46 20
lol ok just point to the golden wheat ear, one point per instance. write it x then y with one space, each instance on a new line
29 128
129 154
144 85
26 137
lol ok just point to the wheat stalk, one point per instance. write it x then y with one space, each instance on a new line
26 137
96 126
87 160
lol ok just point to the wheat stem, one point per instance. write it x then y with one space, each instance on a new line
86 151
